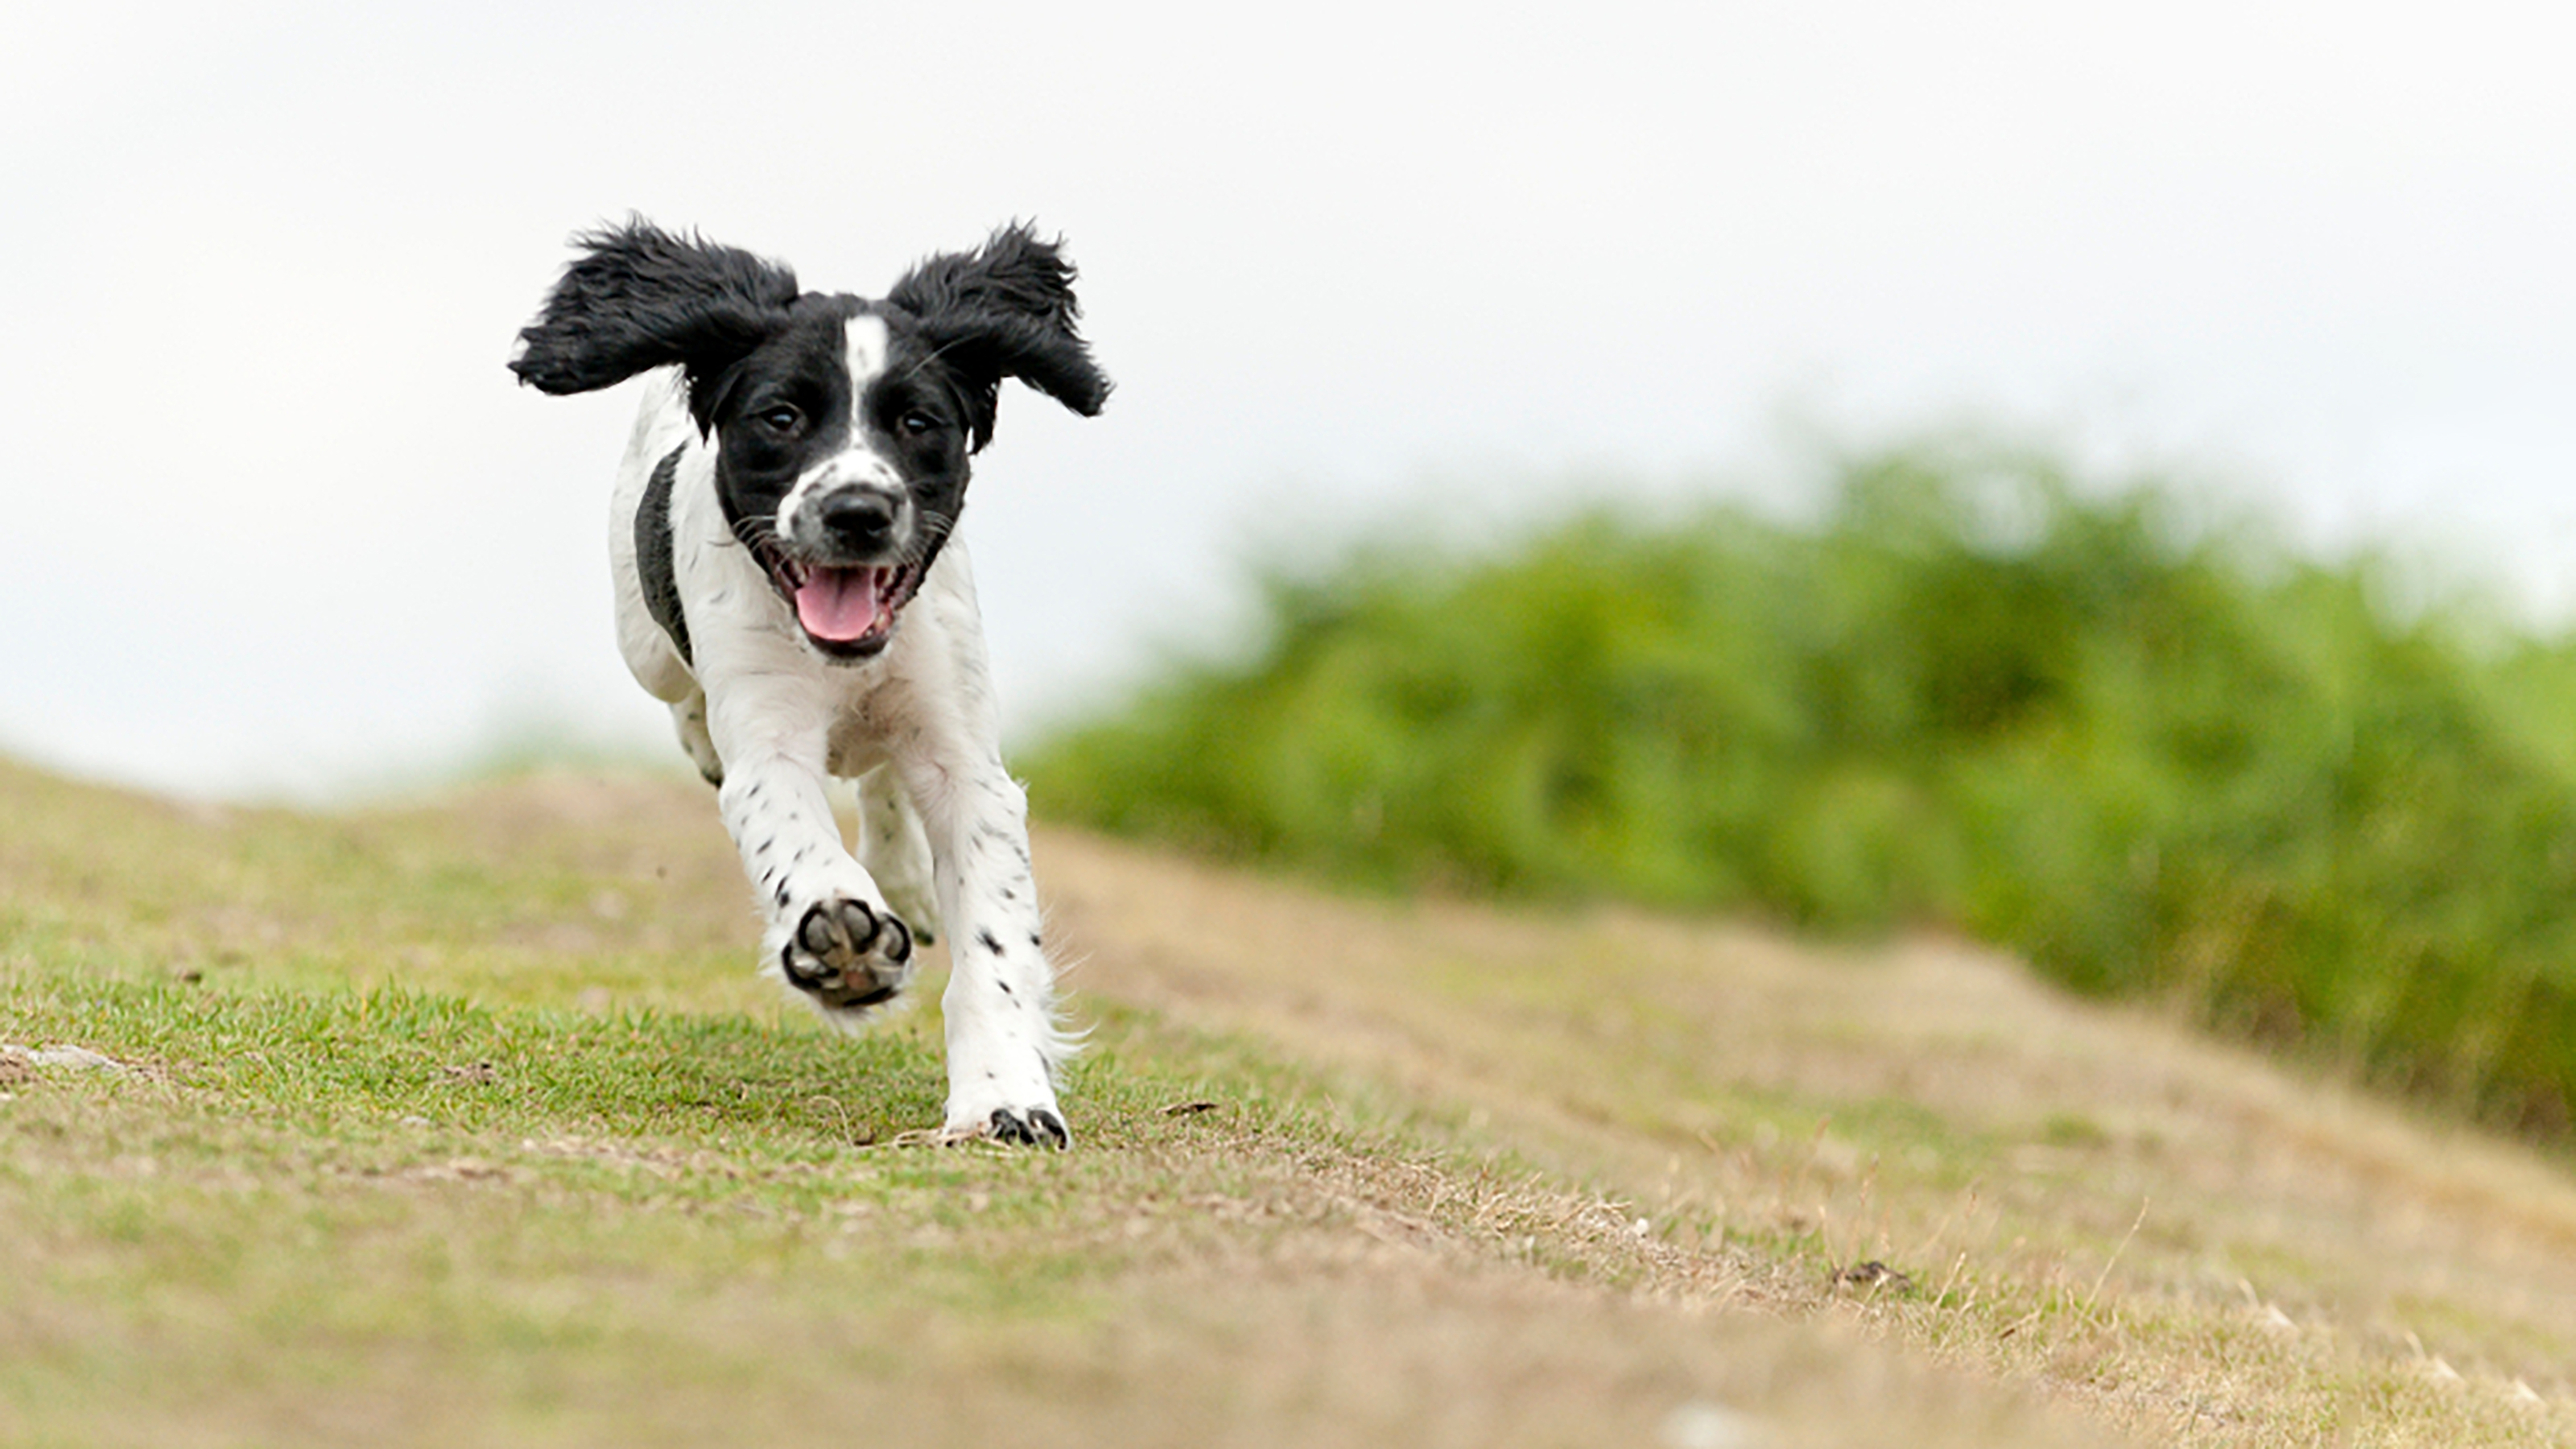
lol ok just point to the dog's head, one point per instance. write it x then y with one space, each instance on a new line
842 426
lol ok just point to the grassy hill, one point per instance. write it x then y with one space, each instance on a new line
463 1122
2153 754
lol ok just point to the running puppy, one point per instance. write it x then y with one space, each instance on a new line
787 582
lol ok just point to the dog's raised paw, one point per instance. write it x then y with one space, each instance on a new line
846 956
1037 1128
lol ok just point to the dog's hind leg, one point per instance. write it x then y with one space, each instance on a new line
689 718
896 852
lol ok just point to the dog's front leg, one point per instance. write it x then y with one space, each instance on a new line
1003 1040
830 935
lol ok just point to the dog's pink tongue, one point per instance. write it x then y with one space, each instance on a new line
837 604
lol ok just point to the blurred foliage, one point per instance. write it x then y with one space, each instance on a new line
2158 755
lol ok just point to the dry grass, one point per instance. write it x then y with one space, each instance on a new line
1468 1177
2199 1245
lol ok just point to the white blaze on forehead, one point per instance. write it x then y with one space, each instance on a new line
866 344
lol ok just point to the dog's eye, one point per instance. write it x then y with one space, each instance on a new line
781 418
916 422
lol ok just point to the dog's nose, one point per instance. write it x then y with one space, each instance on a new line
858 520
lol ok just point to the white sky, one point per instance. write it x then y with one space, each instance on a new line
274 516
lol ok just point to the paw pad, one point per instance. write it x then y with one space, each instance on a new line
847 956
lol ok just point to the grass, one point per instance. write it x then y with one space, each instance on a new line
2153 755
461 1122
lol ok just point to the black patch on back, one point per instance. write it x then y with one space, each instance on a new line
653 555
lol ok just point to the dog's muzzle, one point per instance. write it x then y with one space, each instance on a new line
847 610
841 567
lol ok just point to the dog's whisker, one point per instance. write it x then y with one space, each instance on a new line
927 358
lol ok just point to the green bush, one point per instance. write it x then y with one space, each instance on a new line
2157 759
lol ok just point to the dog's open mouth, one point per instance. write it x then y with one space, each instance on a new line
846 610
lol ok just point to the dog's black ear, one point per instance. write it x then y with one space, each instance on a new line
639 297
1005 310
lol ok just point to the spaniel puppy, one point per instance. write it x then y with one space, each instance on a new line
788 582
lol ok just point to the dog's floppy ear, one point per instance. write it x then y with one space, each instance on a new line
640 297
1005 310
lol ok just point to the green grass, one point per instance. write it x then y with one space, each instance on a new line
2156 755
460 1122
301 1212
393 1052
303 1227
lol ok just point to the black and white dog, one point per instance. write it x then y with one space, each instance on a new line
787 582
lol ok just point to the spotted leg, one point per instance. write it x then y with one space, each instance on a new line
895 852
1003 1040
1004 1043
831 935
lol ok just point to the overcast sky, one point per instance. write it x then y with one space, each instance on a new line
277 519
